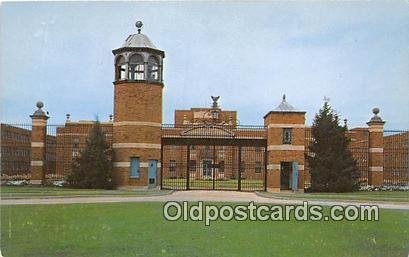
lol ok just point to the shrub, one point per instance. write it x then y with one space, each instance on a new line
93 167
332 166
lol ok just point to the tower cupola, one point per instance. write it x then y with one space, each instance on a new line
138 59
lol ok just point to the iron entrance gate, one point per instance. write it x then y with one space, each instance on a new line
213 158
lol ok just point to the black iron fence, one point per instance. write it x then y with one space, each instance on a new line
213 156
213 167
396 157
15 152
359 147
63 143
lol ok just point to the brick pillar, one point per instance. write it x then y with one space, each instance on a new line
375 128
281 119
38 142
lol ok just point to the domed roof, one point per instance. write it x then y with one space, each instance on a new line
284 106
139 40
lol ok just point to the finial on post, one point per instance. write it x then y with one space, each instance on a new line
139 25
39 113
40 104
376 118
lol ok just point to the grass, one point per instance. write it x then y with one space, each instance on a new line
138 229
8 192
377 196
33 191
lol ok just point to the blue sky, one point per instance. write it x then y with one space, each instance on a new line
355 53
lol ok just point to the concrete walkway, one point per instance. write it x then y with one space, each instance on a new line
196 195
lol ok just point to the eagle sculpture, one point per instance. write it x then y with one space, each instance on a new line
215 99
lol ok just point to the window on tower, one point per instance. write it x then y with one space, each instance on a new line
287 135
120 68
153 68
136 67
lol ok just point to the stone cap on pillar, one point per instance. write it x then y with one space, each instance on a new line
39 113
376 119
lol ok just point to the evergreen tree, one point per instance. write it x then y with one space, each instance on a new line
93 167
332 166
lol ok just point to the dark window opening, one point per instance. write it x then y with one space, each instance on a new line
258 167
221 167
192 165
287 135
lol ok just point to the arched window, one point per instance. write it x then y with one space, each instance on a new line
153 68
120 68
136 67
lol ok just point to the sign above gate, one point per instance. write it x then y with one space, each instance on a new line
208 131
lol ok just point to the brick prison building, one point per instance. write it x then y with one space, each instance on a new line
71 140
396 158
204 148
15 152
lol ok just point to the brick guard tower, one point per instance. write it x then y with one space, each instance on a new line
137 111
285 147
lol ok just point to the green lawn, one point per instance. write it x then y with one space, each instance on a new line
387 196
138 229
32 191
